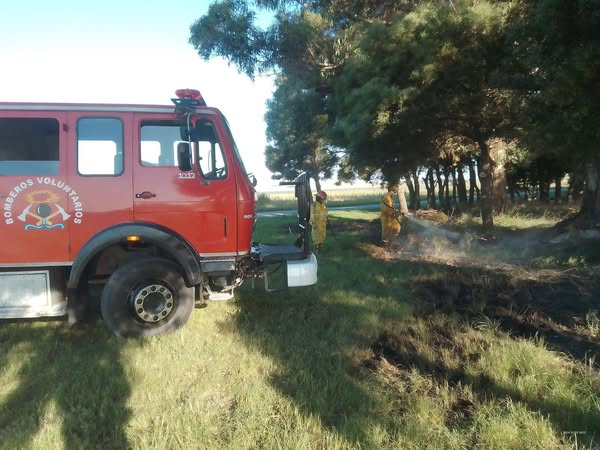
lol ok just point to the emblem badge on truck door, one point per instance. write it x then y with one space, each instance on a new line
40 209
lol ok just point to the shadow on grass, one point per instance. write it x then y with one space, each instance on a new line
67 375
314 333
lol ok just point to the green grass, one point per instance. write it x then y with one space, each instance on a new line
349 363
521 216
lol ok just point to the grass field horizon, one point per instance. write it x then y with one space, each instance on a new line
285 200
348 196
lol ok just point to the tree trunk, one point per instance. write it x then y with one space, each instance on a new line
411 189
486 202
544 187
590 203
472 182
417 200
427 188
498 151
317 184
447 190
440 182
557 190
454 188
430 185
575 184
462 188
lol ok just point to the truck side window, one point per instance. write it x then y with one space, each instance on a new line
100 146
159 139
210 153
28 146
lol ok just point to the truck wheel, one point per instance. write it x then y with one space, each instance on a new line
146 297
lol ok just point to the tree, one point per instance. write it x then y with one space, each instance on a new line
393 76
297 128
228 29
434 71
305 48
560 44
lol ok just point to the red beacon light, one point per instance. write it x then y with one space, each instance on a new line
187 100
188 94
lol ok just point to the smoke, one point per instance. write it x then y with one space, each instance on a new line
425 239
431 229
533 248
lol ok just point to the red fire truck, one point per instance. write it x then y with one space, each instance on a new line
149 208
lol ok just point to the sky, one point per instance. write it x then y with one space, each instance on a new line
127 51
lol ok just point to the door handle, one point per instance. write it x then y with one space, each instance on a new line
145 195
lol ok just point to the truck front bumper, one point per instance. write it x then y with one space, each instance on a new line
300 267
302 272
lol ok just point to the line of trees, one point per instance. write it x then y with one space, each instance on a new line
509 88
451 182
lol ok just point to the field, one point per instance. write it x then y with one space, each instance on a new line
335 197
445 341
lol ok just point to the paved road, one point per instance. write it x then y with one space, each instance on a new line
292 212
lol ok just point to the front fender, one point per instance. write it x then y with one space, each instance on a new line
168 241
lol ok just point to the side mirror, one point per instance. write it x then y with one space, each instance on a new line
184 156
252 179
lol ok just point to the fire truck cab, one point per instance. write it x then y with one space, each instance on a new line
148 207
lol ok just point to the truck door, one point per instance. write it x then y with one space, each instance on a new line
100 186
33 166
200 204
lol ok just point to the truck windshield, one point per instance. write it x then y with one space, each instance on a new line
235 148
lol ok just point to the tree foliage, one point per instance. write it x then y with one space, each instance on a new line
229 30
435 71
560 44
297 127
393 83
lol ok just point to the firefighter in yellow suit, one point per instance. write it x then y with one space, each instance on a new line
318 220
390 224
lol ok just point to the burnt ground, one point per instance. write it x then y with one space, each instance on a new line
525 284
501 281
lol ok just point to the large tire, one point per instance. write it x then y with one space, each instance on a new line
146 297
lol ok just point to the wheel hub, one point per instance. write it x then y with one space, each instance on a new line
153 303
